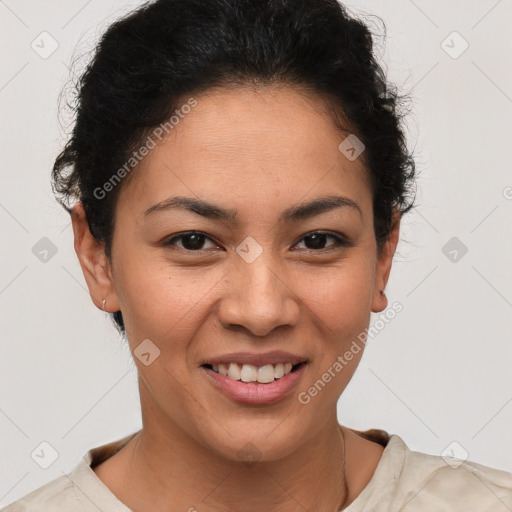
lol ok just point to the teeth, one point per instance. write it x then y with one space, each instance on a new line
266 374
278 370
234 371
250 373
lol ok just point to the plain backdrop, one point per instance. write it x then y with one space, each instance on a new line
438 374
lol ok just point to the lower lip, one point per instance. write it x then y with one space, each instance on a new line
254 393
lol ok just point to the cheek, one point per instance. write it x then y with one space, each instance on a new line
339 304
159 300
340 297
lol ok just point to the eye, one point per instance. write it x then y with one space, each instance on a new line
317 239
191 241
194 241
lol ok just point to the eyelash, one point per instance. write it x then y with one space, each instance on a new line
340 240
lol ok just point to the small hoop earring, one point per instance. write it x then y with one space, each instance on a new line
103 304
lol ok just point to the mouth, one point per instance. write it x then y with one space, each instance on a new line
255 385
248 373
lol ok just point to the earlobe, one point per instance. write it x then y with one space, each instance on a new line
380 301
93 261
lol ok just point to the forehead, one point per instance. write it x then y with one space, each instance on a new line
249 149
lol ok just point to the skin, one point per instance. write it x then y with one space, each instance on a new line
257 152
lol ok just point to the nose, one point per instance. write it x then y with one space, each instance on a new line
258 297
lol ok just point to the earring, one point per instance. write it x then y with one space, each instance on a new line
382 293
103 304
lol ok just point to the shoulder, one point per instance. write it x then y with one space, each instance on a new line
56 495
80 490
409 480
464 485
432 482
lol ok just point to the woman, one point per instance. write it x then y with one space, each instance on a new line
241 173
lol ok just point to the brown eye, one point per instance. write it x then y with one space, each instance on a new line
318 239
192 241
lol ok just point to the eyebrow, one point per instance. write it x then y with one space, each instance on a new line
295 213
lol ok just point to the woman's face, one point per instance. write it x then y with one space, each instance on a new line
256 280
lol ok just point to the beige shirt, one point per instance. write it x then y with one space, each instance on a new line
404 481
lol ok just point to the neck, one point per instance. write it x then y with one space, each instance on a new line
176 469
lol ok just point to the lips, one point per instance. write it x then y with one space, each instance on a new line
254 378
255 393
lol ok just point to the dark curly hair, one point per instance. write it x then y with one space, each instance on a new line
166 50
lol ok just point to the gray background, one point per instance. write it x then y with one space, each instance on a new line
438 373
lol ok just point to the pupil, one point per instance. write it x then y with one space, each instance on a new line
318 240
195 239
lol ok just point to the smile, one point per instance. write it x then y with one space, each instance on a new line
250 373
252 385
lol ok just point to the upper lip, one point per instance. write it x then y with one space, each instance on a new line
273 357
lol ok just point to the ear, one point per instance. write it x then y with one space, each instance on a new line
94 262
383 267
